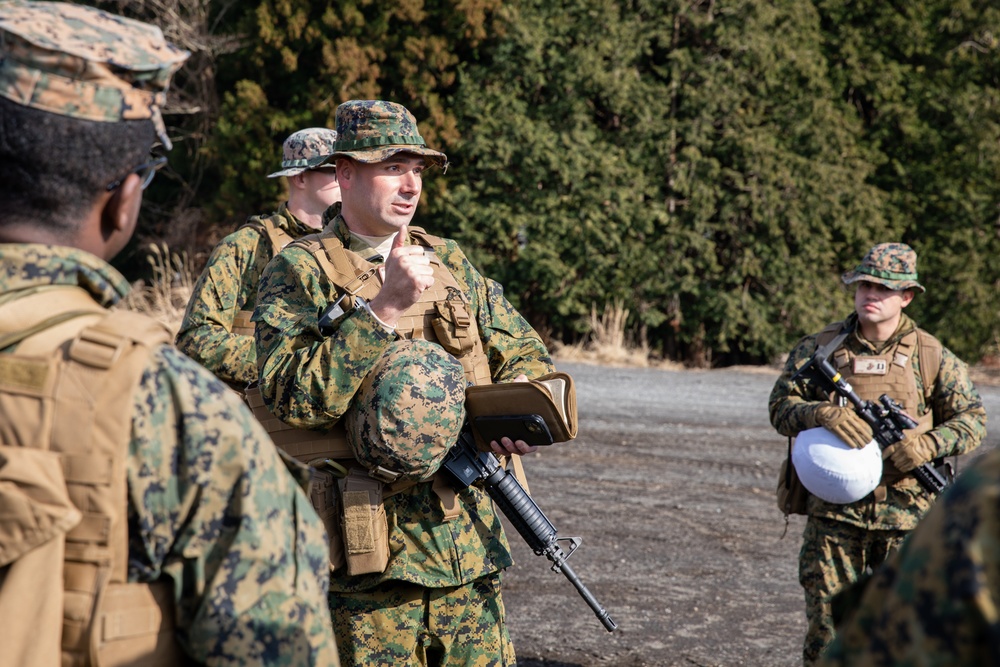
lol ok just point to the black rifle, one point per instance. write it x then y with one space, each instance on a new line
468 465
886 417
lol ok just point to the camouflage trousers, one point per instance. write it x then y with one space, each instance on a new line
834 555
405 624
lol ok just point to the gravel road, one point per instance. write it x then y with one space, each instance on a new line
670 483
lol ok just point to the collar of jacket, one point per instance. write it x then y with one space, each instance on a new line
27 265
905 326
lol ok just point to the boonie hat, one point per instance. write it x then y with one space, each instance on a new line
891 264
85 63
833 470
304 150
371 131
408 411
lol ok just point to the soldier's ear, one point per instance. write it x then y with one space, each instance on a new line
345 169
120 215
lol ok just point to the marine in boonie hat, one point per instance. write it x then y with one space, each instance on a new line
305 150
371 131
85 63
891 264
408 411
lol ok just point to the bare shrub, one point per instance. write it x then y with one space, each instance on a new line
607 343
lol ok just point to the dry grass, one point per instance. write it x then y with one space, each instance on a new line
166 298
608 343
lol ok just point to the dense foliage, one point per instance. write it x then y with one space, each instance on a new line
712 166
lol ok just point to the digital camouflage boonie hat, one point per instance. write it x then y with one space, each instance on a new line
891 264
408 411
304 150
374 130
85 63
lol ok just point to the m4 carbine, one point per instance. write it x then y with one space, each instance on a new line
468 465
886 417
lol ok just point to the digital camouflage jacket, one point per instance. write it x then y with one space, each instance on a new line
934 602
959 427
211 504
227 285
308 381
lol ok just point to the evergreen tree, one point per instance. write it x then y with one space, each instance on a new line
923 77
679 158
303 58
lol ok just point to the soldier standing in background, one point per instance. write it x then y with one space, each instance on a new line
935 600
158 523
882 351
216 330
408 321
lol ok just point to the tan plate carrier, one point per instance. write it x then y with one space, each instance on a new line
66 399
442 315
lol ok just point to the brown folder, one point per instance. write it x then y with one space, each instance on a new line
552 396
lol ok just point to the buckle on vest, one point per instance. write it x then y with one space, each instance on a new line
358 283
384 475
459 309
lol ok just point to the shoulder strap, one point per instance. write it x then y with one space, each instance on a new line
278 237
46 316
333 259
423 238
929 352
831 337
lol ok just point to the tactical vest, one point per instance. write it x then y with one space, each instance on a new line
444 310
442 315
279 238
66 399
891 373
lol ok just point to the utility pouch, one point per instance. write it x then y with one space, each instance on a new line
323 493
792 495
452 324
364 526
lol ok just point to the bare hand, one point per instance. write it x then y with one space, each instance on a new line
408 272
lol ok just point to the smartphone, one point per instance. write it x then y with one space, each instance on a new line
532 429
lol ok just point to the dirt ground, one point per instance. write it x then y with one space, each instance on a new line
670 483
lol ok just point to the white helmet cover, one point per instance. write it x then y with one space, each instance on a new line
833 470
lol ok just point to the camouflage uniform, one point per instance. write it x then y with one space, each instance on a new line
228 284
840 542
439 597
935 601
211 506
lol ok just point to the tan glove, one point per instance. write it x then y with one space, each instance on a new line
911 452
844 423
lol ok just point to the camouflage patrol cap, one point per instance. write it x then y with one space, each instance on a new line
304 150
85 63
371 131
891 264
409 410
